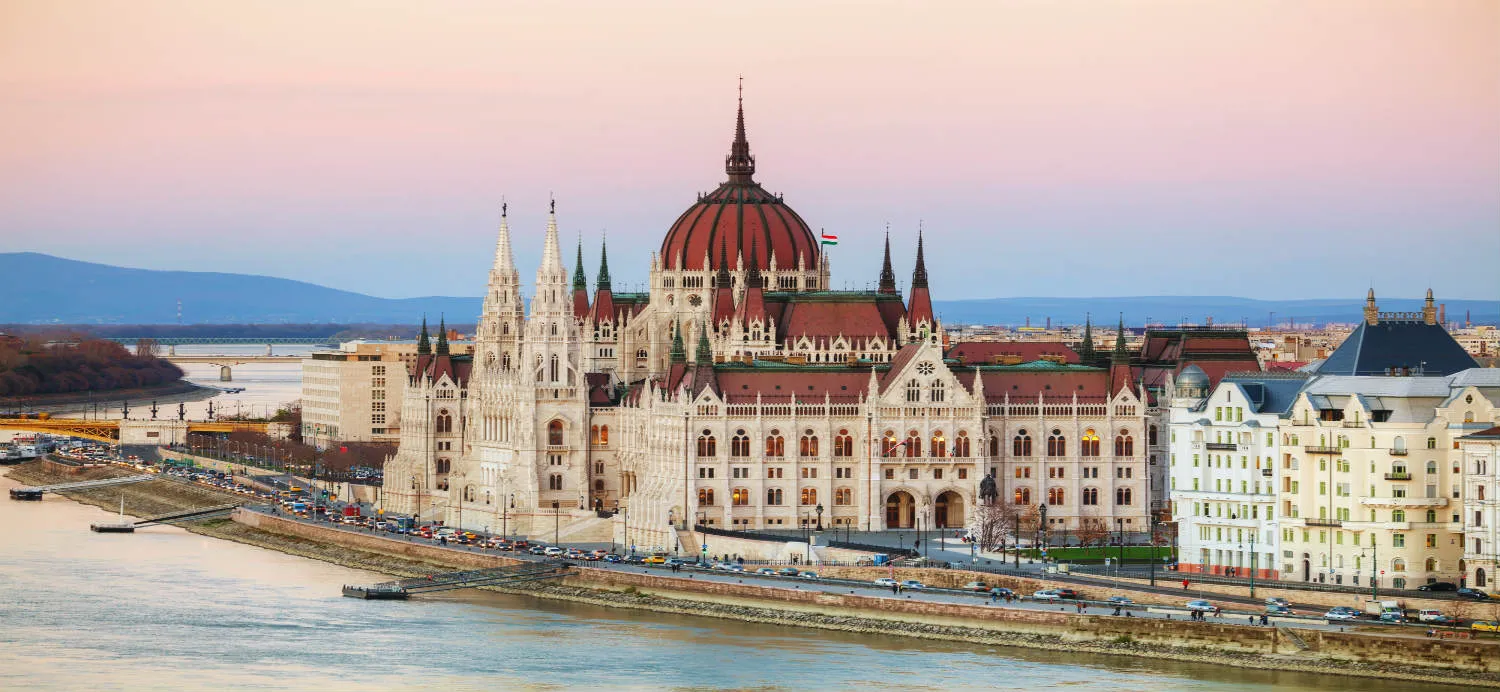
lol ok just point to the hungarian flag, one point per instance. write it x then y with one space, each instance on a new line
830 239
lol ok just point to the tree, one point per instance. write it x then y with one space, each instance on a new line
996 525
1092 532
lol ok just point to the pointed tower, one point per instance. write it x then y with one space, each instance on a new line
723 290
580 286
1086 347
919 309
887 274
442 342
679 352
1119 362
739 164
502 317
424 345
604 297
552 331
1372 313
705 354
1429 310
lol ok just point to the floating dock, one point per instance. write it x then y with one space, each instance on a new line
112 528
402 589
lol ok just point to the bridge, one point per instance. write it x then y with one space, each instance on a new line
403 588
35 492
226 363
140 432
224 340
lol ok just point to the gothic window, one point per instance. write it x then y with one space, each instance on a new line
604 434
739 445
1057 445
1090 496
641 354
939 444
773 496
555 482
1056 496
707 445
470 494
913 444
994 445
444 422
938 391
1123 496
961 444
926 368
1022 496
555 433
1089 446
775 444
1124 444
913 392
705 496
553 369
443 465
1021 444
740 497
505 361
809 496
599 485
843 496
808 445
888 444
1151 436
594 435
843 444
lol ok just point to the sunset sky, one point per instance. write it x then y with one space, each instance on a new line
1087 148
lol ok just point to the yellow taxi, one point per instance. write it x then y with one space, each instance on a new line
656 559
1485 626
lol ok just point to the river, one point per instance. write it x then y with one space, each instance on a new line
164 609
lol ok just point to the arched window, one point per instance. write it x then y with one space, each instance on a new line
1057 445
961 444
843 496
1124 444
1123 496
888 444
1431 468
773 496
1480 580
843 444
1090 496
913 392
938 391
739 445
505 361
594 434
1021 444
775 444
913 444
1432 516
555 432
641 354
1089 446
599 485
552 371
470 493
444 422
1398 565
1022 496
604 434
740 496
1398 515
808 445
1398 444
1056 496
809 496
443 465
939 444
707 445
554 482
705 496
994 445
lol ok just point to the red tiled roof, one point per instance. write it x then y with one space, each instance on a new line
853 318
985 352
1022 385
1284 364
741 385
898 363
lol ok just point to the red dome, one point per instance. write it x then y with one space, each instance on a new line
737 218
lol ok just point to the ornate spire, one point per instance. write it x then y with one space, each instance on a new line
705 355
603 281
752 277
442 344
505 262
1119 354
551 253
424 346
679 353
887 274
580 280
919 275
722 280
740 165
1086 348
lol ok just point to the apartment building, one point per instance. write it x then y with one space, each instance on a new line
353 394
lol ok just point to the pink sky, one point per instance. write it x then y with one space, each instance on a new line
1053 148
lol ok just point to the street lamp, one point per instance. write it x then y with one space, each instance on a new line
1152 517
556 522
1041 533
1120 523
1252 562
819 510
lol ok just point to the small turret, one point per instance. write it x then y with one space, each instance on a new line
442 341
580 286
1086 347
1429 310
679 353
1372 313
424 345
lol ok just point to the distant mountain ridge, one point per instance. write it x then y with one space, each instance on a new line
43 289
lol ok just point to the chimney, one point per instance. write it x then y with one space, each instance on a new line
1049 322
1443 314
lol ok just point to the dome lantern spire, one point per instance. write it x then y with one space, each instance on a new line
740 165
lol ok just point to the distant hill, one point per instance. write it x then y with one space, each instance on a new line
42 289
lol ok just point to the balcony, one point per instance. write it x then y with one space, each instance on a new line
1404 501
1222 446
1334 523
1267 472
1398 452
1354 424
1311 449
1398 476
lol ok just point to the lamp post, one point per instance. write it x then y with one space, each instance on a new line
1252 562
556 522
1152 517
1120 524
819 510
1041 533
505 516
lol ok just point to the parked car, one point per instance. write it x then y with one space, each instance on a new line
886 582
1273 609
634 560
1278 601
1120 600
538 550
1341 613
912 585
1045 595
1002 592
808 575
1200 606
976 586
1485 626
1438 586
1472 594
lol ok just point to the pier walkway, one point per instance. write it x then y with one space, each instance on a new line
35 492
402 588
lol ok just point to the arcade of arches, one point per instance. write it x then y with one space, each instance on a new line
901 510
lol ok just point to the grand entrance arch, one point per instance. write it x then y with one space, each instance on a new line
900 510
949 511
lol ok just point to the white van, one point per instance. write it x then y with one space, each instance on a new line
1430 615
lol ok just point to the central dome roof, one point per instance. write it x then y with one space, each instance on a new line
739 219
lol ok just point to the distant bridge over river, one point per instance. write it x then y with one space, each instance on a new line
130 432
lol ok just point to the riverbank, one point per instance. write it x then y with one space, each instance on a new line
169 393
1207 643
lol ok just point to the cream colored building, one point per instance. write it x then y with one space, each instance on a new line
353 394
1480 455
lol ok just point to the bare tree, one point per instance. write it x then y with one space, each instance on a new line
1092 532
996 525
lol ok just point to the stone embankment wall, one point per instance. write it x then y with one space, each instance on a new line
1318 598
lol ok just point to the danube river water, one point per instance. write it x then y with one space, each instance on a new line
164 609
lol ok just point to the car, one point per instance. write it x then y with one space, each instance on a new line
766 571
720 566
1273 609
654 560
808 575
737 568
1067 593
976 586
613 558
1392 617
1429 614
1002 592
633 560
552 551
1119 600
1444 620
1472 594
1045 595
538 550
573 554
1341 613
913 585
675 562
1278 601
1200 606
885 581
787 571
1485 626
1438 586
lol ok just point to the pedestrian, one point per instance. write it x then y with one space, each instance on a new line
895 588
1184 585
1218 612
